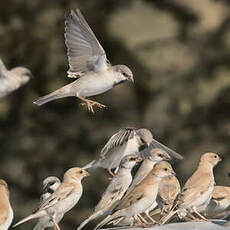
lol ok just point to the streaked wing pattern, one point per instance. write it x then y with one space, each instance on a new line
83 49
119 138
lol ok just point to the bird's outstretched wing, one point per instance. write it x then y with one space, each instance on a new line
118 139
83 49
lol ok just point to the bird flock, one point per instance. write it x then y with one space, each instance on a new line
143 189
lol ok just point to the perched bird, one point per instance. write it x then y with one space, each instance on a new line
197 191
142 196
6 211
155 155
50 184
168 191
220 203
116 189
125 141
11 80
63 199
88 62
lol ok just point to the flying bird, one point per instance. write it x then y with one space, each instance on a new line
116 188
6 211
63 199
50 184
88 63
125 141
11 80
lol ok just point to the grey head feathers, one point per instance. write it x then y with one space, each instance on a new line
125 72
158 154
130 160
50 184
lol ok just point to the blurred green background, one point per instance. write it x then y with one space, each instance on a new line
179 52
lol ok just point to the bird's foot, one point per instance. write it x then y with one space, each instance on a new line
90 104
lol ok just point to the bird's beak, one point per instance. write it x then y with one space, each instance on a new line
167 158
173 173
86 173
131 79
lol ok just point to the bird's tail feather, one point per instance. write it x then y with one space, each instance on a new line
91 165
32 216
108 219
93 216
60 93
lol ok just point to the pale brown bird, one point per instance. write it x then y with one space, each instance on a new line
87 62
116 188
63 199
6 211
168 191
197 191
155 155
11 80
142 196
219 206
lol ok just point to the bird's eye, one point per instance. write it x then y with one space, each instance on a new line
133 158
215 156
165 169
51 183
125 74
161 155
81 171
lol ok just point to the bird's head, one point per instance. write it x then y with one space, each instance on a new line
22 73
163 169
145 137
130 160
158 155
50 184
211 158
75 173
125 74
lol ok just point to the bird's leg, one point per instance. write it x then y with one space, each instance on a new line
90 103
150 218
143 220
201 216
138 220
167 218
111 173
56 227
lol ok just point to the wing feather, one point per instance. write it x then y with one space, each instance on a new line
118 139
84 51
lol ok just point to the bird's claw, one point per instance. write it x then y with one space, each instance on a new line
90 105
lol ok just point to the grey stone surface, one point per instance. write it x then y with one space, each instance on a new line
182 226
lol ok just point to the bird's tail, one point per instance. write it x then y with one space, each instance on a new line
60 93
30 217
92 217
91 165
108 219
